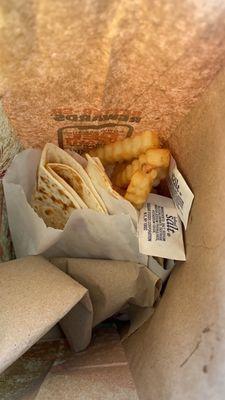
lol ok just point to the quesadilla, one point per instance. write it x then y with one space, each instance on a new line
99 177
52 202
115 203
76 184
63 186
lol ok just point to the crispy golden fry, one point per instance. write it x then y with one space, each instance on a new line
156 158
153 158
127 149
162 172
140 186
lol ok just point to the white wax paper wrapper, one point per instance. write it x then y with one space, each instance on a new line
116 206
113 205
87 233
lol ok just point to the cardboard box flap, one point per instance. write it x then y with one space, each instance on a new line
179 353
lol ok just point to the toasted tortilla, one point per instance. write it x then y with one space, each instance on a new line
53 154
52 202
62 184
114 201
99 177
75 181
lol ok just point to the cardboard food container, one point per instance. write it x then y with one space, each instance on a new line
77 88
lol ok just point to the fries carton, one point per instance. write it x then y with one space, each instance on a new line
82 74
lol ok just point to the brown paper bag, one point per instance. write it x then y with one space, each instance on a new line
179 353
66 65
79 73
34 296
113 285
9 147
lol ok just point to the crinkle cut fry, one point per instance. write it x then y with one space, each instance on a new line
153 158
140 186
127 149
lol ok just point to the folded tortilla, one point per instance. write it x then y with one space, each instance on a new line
76 183
63 186
99 177
114 202
52 202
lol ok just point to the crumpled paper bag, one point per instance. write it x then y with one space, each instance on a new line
34 296
87 234
113 286
6 248
9 147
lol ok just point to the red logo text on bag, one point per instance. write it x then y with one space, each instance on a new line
82 130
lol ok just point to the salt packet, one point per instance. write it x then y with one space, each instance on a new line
181 194
160 229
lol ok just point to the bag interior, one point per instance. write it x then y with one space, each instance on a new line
179 352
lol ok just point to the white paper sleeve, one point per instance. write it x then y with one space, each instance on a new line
87 233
